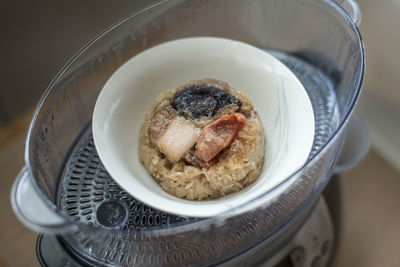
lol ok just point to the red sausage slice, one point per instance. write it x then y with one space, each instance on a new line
219 135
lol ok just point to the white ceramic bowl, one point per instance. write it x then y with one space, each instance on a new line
126 98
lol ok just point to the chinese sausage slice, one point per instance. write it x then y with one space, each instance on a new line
219 135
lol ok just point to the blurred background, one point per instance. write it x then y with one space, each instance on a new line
39 37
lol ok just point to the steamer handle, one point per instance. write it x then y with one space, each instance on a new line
31 209
356 144
351 8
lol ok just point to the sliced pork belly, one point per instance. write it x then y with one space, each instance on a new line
178 138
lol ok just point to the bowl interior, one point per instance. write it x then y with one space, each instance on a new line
129 94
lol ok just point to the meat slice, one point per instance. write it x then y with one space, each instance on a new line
160 120
219 135
179 137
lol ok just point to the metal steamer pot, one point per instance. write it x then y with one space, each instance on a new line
65 190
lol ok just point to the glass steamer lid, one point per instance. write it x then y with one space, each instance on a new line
316 39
